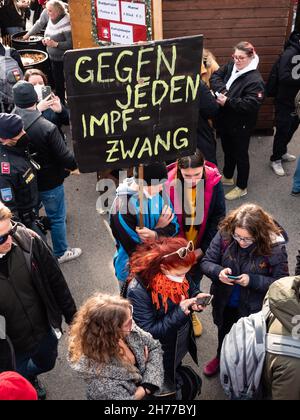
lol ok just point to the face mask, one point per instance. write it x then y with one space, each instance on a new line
177 279
38 89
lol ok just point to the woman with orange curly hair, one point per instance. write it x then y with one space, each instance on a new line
246 256
163 297
116 358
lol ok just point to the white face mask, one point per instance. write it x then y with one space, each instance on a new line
177 279
38 89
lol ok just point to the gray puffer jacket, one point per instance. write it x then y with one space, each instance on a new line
114 381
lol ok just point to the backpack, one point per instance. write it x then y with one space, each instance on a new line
7 353
243 355
188 383
273 80
10 74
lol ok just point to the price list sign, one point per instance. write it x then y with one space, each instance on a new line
122 22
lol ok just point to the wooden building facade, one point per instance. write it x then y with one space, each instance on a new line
265 23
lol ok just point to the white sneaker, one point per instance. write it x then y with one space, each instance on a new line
277 168
69 255
289 158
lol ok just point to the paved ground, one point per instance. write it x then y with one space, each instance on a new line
93 271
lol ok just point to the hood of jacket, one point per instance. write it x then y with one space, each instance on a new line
284 301
293 41
28 116
128 187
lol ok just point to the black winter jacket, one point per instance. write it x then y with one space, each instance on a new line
51 151
263 271
47 277
289 73
208 109
165 327
18 183
245 97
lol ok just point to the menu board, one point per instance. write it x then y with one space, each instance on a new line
122 22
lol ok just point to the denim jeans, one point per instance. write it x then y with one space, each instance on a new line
14 30
41 360
54 203
296 184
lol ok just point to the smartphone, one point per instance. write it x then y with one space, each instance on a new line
204 301
234 277
46 91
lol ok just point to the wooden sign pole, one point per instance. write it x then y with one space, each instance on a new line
141 195
157 20
157 25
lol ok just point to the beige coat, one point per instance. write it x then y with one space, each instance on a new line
282 373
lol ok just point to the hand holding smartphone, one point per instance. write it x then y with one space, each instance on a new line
233 277
204 301
46 91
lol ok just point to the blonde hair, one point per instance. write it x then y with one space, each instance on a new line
5 213
96 329
58 5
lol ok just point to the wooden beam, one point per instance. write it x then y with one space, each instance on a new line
157 19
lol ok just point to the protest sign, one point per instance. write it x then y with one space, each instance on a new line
135 104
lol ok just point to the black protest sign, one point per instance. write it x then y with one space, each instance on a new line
134 105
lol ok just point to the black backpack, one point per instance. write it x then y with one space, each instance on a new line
7 355
188 383
273 80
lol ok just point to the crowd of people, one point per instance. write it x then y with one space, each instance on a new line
133 346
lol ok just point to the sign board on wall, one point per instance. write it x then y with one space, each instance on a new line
122 22
135 104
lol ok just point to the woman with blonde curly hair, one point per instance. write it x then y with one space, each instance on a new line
118 360
246 256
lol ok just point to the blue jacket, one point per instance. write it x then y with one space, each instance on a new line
173 329
262 270
124 219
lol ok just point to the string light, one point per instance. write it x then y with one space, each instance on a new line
94 21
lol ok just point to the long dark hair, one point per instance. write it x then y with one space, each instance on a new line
256 221
197 160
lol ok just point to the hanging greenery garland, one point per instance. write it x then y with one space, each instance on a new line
148 21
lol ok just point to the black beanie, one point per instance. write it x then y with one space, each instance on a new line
25 95
154 173
11 126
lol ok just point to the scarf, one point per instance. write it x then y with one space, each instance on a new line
237 73
167 289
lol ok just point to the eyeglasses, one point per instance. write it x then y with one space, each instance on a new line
239 238
182 252
3 238
239 57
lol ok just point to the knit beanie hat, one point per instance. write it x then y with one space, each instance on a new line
10 125
13 387
154 173
24 94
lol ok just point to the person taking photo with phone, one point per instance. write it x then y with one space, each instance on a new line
246 256
164 297
48 104
56 162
